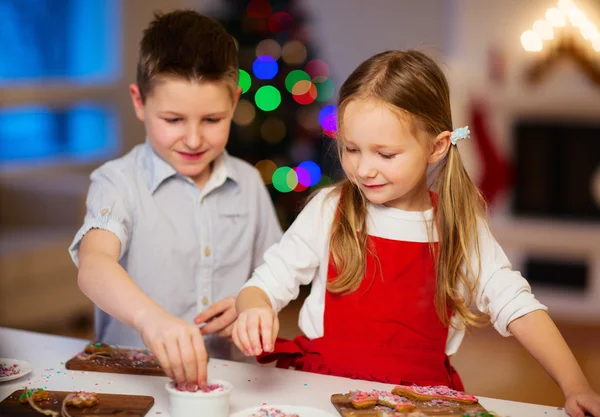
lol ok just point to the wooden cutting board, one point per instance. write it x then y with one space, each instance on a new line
117 365
344 406
109 405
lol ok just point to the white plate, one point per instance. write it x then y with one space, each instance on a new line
24 368
300 410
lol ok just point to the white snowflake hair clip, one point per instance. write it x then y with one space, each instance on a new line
459 134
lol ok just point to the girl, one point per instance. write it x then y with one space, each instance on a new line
394 267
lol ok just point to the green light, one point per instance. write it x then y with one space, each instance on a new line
293 77
325 90
267 98
291 179
280 179
244 81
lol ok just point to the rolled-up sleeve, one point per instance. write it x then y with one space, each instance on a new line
295 260
107 208
502 293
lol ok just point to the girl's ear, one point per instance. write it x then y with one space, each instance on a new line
440 146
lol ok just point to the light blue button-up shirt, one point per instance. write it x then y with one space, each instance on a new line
185 247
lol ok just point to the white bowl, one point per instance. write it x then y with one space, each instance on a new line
194 404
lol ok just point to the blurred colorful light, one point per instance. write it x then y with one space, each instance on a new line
314 173
294 53
273 130
308 117
244 81
325 113
244 113
267 98
304 92
293 77
325 89
303 177
280 22
266 168
268 47
317 68
259 9
285 179
265 67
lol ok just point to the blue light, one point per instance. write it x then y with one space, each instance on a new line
40 133
326 111
313 170
92 131
79 42
265 67
28 132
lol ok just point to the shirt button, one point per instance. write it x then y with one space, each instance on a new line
205 301
201 201
207 252
104 212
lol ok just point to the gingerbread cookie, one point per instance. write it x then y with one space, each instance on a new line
81 399
395 402
363 399
36 394
437 392
99 349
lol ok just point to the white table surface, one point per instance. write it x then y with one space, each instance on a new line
253 384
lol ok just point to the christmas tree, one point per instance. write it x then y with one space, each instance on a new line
285 120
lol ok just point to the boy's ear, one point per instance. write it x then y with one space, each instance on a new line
440 146
136 99
236 96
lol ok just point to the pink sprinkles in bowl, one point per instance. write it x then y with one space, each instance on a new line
9 370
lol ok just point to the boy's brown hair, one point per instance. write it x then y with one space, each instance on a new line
188 45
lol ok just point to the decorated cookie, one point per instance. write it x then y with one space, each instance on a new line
363 399
36 394
81 399
438 392
99 349
395 402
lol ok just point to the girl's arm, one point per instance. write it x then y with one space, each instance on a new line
539 335
251 297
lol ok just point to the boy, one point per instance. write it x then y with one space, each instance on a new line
174 228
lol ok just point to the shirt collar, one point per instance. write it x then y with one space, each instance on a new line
159 170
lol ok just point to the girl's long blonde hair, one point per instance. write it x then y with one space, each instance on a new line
413 84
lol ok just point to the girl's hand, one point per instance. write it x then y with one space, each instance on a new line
582 403
219 318
177 345
255 330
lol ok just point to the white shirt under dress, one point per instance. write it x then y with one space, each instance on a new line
302 257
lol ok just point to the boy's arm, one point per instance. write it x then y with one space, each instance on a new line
539 335
178 345
107 284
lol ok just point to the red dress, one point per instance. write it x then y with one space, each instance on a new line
386 331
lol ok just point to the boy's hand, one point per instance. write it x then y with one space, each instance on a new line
255 330
583 403
178 346
219 318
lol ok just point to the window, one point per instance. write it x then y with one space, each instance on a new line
59 62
